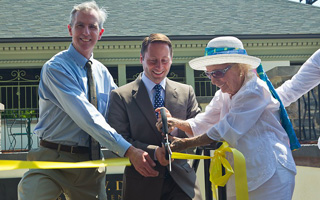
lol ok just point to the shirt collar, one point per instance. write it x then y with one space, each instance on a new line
150 85
78 58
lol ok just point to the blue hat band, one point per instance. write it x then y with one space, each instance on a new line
210 51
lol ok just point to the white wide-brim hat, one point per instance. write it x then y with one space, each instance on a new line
223 50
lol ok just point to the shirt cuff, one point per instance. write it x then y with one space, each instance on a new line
121 147
192 126
154 154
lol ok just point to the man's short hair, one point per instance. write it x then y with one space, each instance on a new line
152 38
89 5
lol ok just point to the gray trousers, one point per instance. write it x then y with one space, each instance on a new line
48 184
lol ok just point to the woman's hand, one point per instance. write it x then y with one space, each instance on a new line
178 144
171 124
174 123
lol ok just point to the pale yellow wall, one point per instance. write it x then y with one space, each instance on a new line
115 53
307 184
126 53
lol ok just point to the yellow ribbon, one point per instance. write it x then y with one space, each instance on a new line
216 177
219 160
19 164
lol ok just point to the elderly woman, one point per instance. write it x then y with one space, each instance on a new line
244 114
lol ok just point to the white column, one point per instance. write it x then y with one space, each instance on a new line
268 65
122 75
189 75
1 110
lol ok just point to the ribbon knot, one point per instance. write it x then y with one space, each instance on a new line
219 160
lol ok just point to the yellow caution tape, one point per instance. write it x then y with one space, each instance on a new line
19 164
216 177
219 160
176 155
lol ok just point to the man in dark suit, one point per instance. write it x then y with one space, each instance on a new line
132 114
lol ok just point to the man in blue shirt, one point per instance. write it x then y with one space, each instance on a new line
68 120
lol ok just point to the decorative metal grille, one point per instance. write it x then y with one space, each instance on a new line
307 123
203 85
19 88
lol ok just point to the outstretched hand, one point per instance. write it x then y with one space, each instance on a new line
142 162
178 144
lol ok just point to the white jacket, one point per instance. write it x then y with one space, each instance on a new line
249 122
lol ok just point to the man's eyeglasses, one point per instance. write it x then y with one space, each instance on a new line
219 73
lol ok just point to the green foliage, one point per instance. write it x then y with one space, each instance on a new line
19 114
27 113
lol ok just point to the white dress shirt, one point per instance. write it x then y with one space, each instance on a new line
249 122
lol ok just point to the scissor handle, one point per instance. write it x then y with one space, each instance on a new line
165 131
164 121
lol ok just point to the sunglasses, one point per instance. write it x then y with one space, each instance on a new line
219 73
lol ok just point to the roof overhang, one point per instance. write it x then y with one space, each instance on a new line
172 37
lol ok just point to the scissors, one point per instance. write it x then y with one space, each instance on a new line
166 141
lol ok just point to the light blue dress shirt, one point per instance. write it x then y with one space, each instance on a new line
66 115
150 87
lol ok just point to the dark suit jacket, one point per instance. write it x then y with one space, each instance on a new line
132 114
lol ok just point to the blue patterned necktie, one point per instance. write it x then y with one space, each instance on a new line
158 101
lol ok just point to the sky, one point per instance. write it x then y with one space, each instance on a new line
317 3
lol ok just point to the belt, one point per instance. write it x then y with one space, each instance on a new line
66 148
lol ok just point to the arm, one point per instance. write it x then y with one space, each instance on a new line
69 96
63 89
303 81
174 123
180 144
180 124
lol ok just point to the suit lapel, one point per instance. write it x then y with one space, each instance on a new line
171 96
140 95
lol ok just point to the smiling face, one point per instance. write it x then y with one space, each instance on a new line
231 82
85 31
157 61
